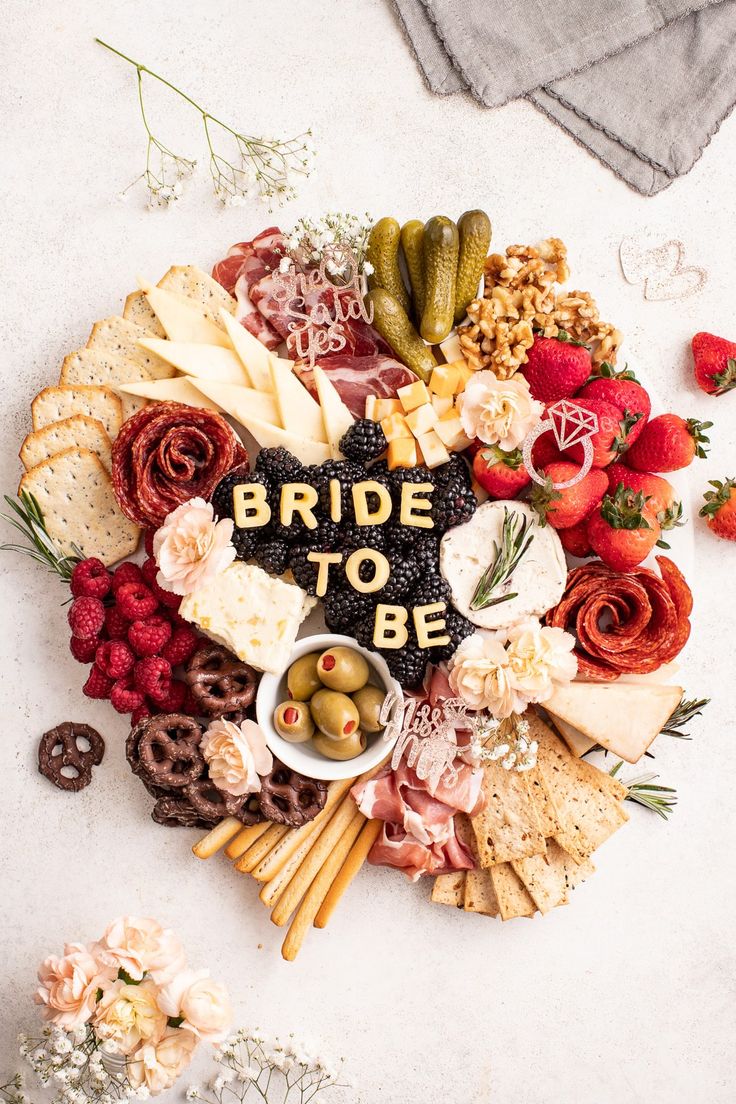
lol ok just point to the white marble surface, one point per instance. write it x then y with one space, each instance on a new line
627 994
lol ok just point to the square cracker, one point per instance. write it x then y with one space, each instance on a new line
97 367
480 895
79 431
508 827
55 404
76 497
545 877
448 889
137 309
513 896
195 284
119 337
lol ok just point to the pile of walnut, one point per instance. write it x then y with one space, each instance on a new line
522 296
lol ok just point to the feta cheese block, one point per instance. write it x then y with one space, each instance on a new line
250 612
538 581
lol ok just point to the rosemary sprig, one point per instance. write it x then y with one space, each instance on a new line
27 517
658 799
685 712
506 558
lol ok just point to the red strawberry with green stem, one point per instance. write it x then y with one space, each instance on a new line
612 436
556 367
623 531
659 493
715 363
575 540
624 391
720 508
501 474
567 506
668 443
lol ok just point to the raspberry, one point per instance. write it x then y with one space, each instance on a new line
86 617
172 702
139 714
115 623
115 659
165 597
124 696
148 637
90 579
83 650
135 601
181 646
153 677
98 685
127 572
148 541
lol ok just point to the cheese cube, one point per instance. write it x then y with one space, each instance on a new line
413 395
450 431
465 372
433 450
386 407
402 453
422 419
395 426
451 348
370 408
442 404
444 381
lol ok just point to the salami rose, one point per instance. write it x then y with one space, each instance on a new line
168 453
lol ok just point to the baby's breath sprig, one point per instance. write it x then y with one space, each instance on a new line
309 238
264 167
72 1063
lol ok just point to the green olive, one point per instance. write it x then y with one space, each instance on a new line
368 702
293 721
334 714
340 749
343 669
302 680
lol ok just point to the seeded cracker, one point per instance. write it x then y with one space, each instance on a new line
54 404
137 309
513 897
79 430
106 369
118 337
75 494
545 877
195 284
508 827
448 889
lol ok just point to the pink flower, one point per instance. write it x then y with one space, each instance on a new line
191 548
236 756
158 1065
70 984
139 945
498 412
129 1015
204 1004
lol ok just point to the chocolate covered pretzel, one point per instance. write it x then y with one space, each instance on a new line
74 747
289 798
221 685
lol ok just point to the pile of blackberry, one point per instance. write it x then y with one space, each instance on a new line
412 552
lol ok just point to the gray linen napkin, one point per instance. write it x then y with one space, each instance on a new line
643 86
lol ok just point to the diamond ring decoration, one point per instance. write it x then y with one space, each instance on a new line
571 425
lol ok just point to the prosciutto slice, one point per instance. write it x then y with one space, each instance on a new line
245 265
357 377
400 849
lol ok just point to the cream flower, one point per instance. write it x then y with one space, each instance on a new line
236 756
158 1065
203 1003
128 1015
539 657
70 984
498 412
479 674
139 945
191 547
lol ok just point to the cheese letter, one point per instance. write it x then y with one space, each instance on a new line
427 630
250 509
390 629
414 504
324 559
363 513
298 498
380 574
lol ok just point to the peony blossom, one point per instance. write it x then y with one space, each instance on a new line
480 675
203 1004
191 548
236 756
498 412
540 656
70 985
139 945
157 1065
128 1015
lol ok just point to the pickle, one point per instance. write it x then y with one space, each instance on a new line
393 323
474 228
382 252
412 240
440 251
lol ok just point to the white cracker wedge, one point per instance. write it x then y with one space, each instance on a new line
99 368
54 404
76 497
179 389
252 352
195 284
184 319
78 431
207 362
137 309
116 335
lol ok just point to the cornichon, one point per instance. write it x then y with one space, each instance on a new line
412 244
474 229
441 249
383 253
393 323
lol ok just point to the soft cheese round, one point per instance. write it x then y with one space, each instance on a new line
538 581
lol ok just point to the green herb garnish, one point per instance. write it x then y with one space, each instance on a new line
27 517
658 799
506 558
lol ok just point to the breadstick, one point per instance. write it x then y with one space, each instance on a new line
306 873
261 847
351 866
271 891
216 838
313 898
246 838
277 858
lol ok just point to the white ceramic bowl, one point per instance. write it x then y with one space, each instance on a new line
304 757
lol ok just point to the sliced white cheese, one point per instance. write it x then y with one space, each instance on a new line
240 402
298 411
207 362
183 319
180 389
577 743
336 416
451 348
253 354
622 717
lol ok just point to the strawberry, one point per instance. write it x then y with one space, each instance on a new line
622 531
612 436
556 367
500 473
624 391
569 505
575 540
659 494
715 363
720 508
545 451
668 443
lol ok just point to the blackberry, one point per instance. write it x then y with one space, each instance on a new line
400 581
424 552
457 628
246 542
273 556
303 570
279 466
345 609
222 496
363 631
365 440
347 472
419 474
430 588
324 538
354 536
453 503
455 468
407 665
